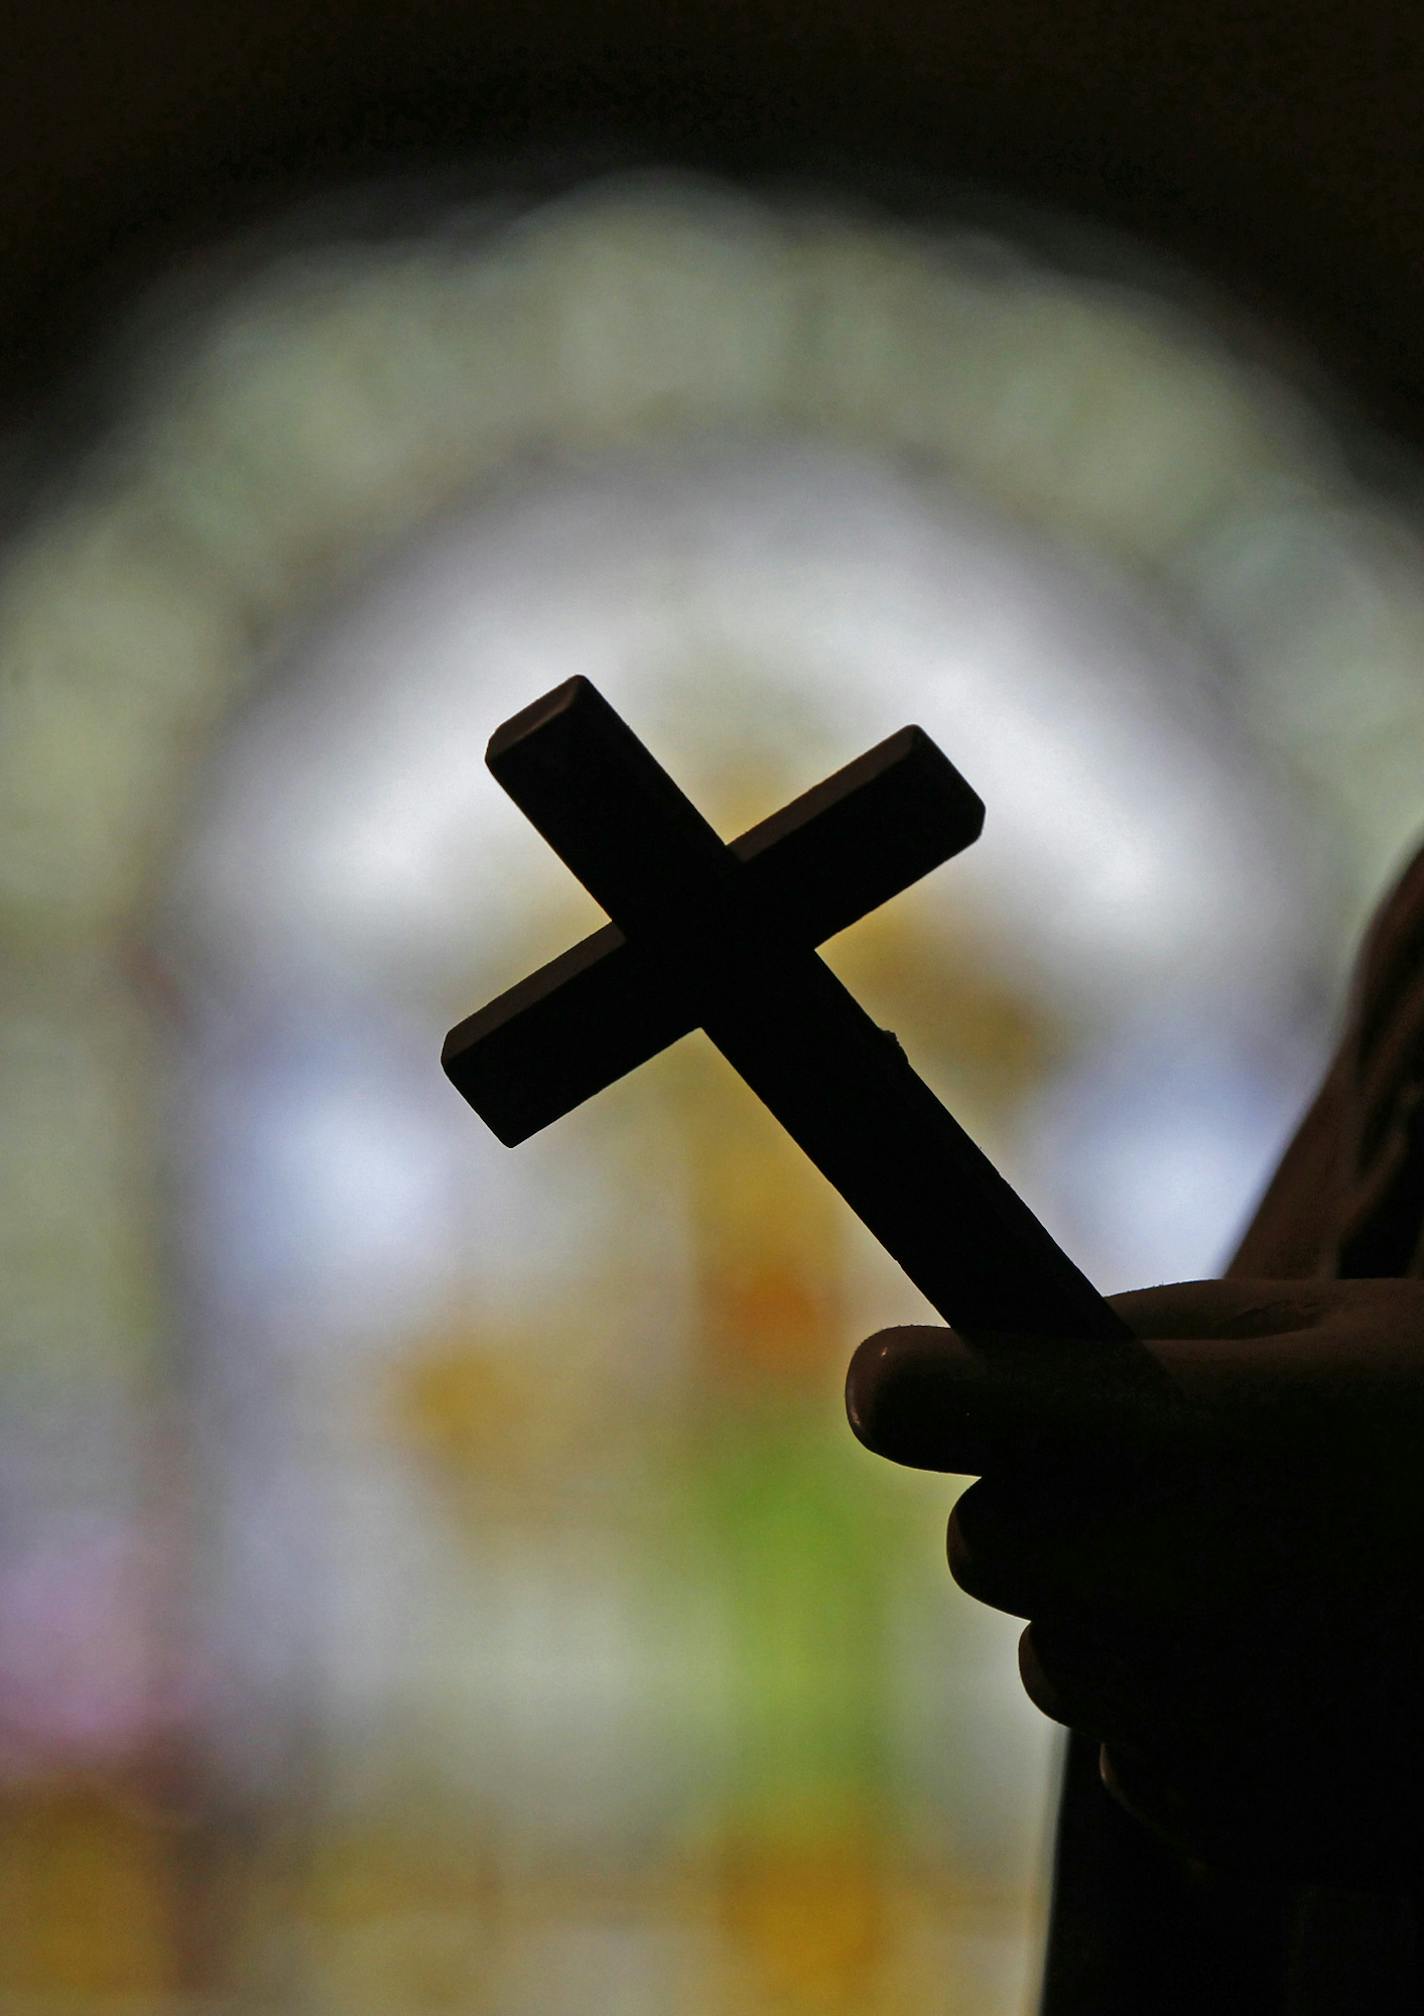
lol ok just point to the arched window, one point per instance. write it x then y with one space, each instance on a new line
440 1572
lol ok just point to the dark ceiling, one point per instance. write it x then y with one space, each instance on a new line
1276 145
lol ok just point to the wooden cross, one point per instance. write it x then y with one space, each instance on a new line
724 938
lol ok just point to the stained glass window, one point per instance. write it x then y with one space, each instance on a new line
434 1577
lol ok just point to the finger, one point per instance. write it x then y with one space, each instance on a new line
1045 1696
1083 1682
1225 1309
1282 1820
1199 1826
991 1557
922 1396
1234 1356
1116 1687
1182 1551
1027 1553
925 1397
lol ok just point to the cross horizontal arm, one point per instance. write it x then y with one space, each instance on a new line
606 1006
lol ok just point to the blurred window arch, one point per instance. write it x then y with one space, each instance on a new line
777 418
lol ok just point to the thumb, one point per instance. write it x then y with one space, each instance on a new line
927 1397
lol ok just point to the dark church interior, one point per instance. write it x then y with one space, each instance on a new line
440 1578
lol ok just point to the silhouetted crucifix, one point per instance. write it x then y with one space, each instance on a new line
724 938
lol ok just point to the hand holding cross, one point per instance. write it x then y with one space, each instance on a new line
1145 1584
